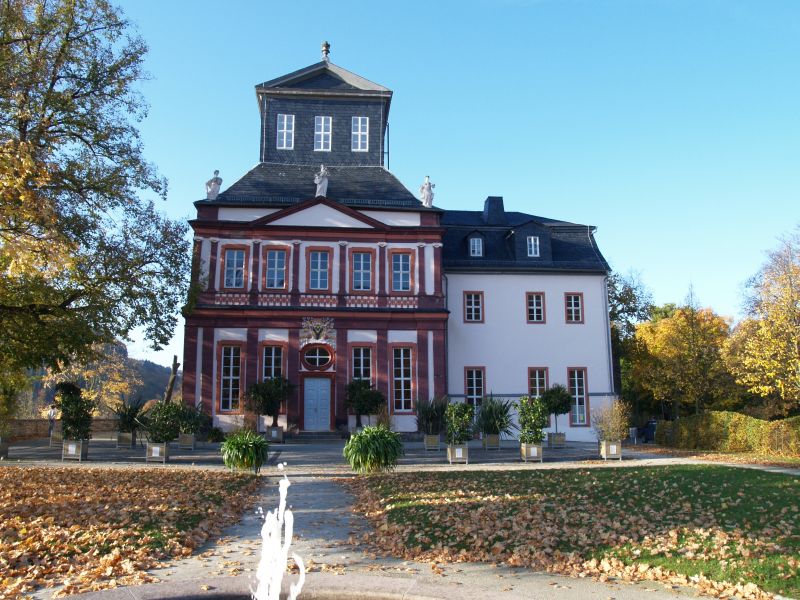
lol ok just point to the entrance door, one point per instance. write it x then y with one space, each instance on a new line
317 404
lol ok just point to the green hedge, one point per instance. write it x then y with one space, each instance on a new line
732 432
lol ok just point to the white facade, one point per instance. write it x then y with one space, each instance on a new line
506 346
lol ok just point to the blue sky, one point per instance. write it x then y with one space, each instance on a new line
673 126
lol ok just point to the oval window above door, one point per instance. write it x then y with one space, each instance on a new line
317 357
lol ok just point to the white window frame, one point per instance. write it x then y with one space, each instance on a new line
230 378
318 271
536 306
274 270
401 272
476 246
402 383
323 133
272 362
533 245
474 385
577 388
285 133
362 363
359 138
574 307
234 267
473 307
362 275
537 381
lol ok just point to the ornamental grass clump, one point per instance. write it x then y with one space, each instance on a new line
610 423
494 417
128 413
430 415
459 422
532 414
244 450
373 450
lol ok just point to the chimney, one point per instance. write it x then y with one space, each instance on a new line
493 211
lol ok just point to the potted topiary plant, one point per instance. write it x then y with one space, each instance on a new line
162 423
374 449
610 423
190 422
363 399
266 398
493 420
430 420
128 413
76 421
245 450
532 414
558 401
458 417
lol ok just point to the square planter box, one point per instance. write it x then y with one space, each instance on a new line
186 441
611 450
75 450
458 453
432 442
530 452
55 437
491 441
556 440
126 439
275 435
4 448
157 452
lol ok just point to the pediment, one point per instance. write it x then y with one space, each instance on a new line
323 75
320 212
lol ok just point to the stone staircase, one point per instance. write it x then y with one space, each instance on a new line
314 437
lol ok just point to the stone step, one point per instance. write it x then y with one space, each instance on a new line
313 437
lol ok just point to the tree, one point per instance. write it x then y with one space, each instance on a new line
764 353
629 303
679 357
83 259
265 397
557 400
363 399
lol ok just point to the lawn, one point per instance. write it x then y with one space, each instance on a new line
97 528
717 528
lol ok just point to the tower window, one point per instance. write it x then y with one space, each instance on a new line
322 133
285 132
360 137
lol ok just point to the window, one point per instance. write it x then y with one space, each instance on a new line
275 277
401 272
273 362
285 132
317 357
362 271
473 307
577 387
476 246
318 269
360 137
537 381
401 379
574 307
475 381
234 268
322 134
362 363
533 245
230 377
535 307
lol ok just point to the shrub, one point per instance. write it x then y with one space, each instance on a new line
458 417
430 415
611 422
494 417
10 387
532 414
128 413
244 450
557 400
363 399
191 419
162 421
266 397
373 450
76 411
215 435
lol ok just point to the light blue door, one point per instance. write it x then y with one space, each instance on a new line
317 404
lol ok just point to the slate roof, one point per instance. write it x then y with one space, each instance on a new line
323 76
281 184
564 246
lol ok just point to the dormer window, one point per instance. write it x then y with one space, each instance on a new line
476 246
322 134
360 137
285 132
533 245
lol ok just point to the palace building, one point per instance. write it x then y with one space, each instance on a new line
323 274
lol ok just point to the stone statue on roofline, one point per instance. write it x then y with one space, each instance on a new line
321 179
426 192
213 185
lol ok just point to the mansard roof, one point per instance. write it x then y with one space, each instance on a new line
281 184
323 77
